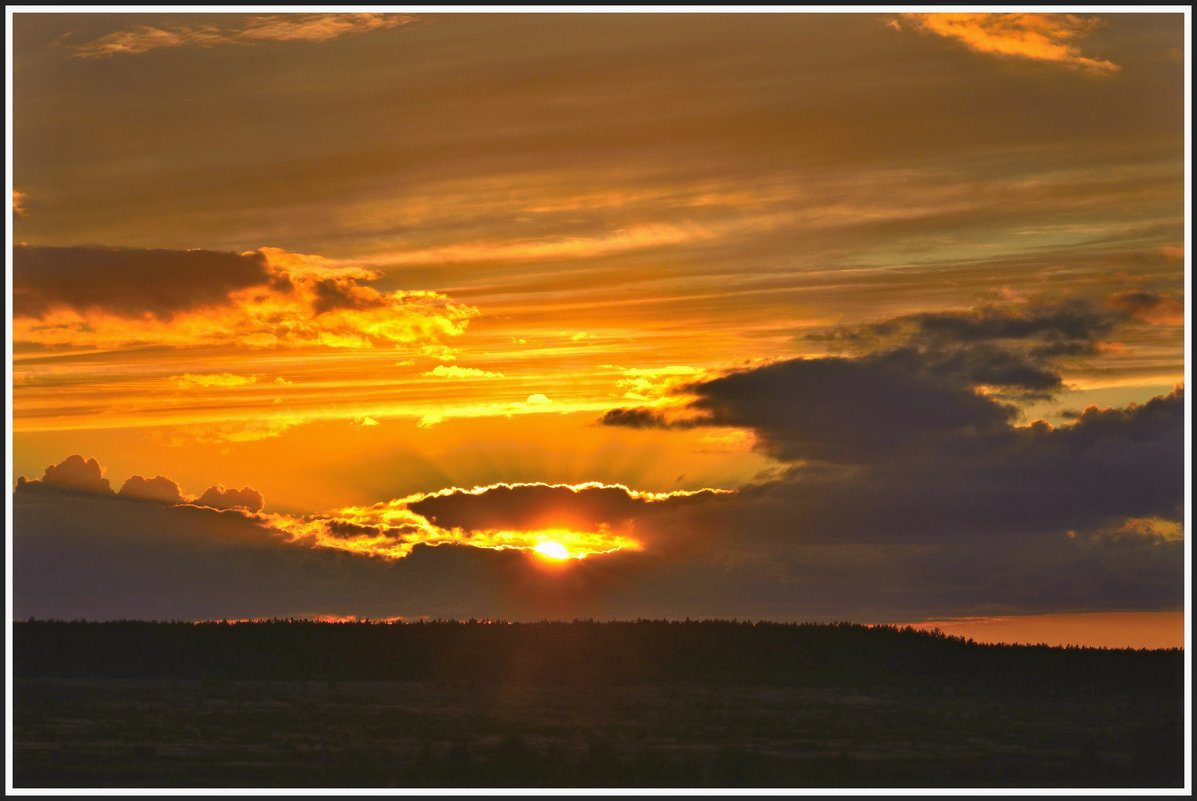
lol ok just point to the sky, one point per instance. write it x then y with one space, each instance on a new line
794 316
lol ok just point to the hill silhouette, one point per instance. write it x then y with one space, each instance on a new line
583 703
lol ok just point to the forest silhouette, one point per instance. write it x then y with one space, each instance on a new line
649 703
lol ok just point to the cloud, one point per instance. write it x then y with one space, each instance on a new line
159 489
630 239
834 409
128 282
271 28
1014 347
95 558
534 506
18 203
635 418
207 380
1040 519
585 520
1150 307
76 475
1038 37
1044 324
242 430
453 371
913 382
72 474
268 298
218 497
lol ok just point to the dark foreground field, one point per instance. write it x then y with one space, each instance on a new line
293 704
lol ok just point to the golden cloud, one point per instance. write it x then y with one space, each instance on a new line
1041 37
270 28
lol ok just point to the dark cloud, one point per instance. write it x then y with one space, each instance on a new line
1072 320
220 498
912 380
981 365
94 557
1014 347
532 506
159 488
899 462
98 558
634 418
128 281
1151 307
72 474
331 293
845 410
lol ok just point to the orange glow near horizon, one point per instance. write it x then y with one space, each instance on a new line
1156 629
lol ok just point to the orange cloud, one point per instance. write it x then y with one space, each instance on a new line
241 430
271 28
1157 527
1041 37
18 203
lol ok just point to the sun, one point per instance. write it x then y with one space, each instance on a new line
552 550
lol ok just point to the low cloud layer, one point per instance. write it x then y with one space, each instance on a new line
78 476
218 497
159 489
1010 520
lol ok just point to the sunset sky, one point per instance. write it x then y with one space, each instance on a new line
872 316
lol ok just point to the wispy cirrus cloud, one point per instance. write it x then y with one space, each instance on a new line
1041 37
267 28
208 380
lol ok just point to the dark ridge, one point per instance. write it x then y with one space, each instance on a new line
579 653
583 704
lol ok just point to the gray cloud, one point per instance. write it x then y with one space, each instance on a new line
72 474
128 281
218 497
533 506
159 489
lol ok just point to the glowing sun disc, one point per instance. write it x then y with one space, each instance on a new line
552 550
